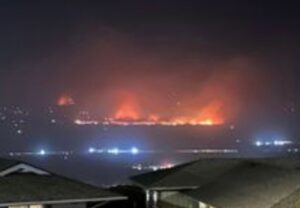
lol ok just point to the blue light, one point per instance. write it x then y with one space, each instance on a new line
134 150
91 150
268 143
42 152
114 151
258 143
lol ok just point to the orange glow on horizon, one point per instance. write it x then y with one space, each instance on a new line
65 100
154 117
128 109
129 113
212 114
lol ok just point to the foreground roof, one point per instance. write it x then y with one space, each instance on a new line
251 184
48 189
201 172
189 175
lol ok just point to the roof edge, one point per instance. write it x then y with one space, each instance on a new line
112 198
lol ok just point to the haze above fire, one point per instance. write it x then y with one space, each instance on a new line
180 60
124 82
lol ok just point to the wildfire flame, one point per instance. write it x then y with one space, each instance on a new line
212 114
65 100
129 109
209 115
129 113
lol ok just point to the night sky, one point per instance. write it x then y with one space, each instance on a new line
244 53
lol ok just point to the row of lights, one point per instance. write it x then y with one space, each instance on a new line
273 143
115 151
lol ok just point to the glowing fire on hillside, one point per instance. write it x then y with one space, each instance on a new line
65 100
130 112
209 115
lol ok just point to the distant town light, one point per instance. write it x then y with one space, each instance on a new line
268 143
258 143
91 150
19 131
273 143
114 151
282 142
42 152
134 150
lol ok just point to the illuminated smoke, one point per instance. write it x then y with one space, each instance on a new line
128 109
212 114
135 85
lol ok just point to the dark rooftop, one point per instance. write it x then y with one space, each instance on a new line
200 172
186 175
251 185
39 188
46 188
